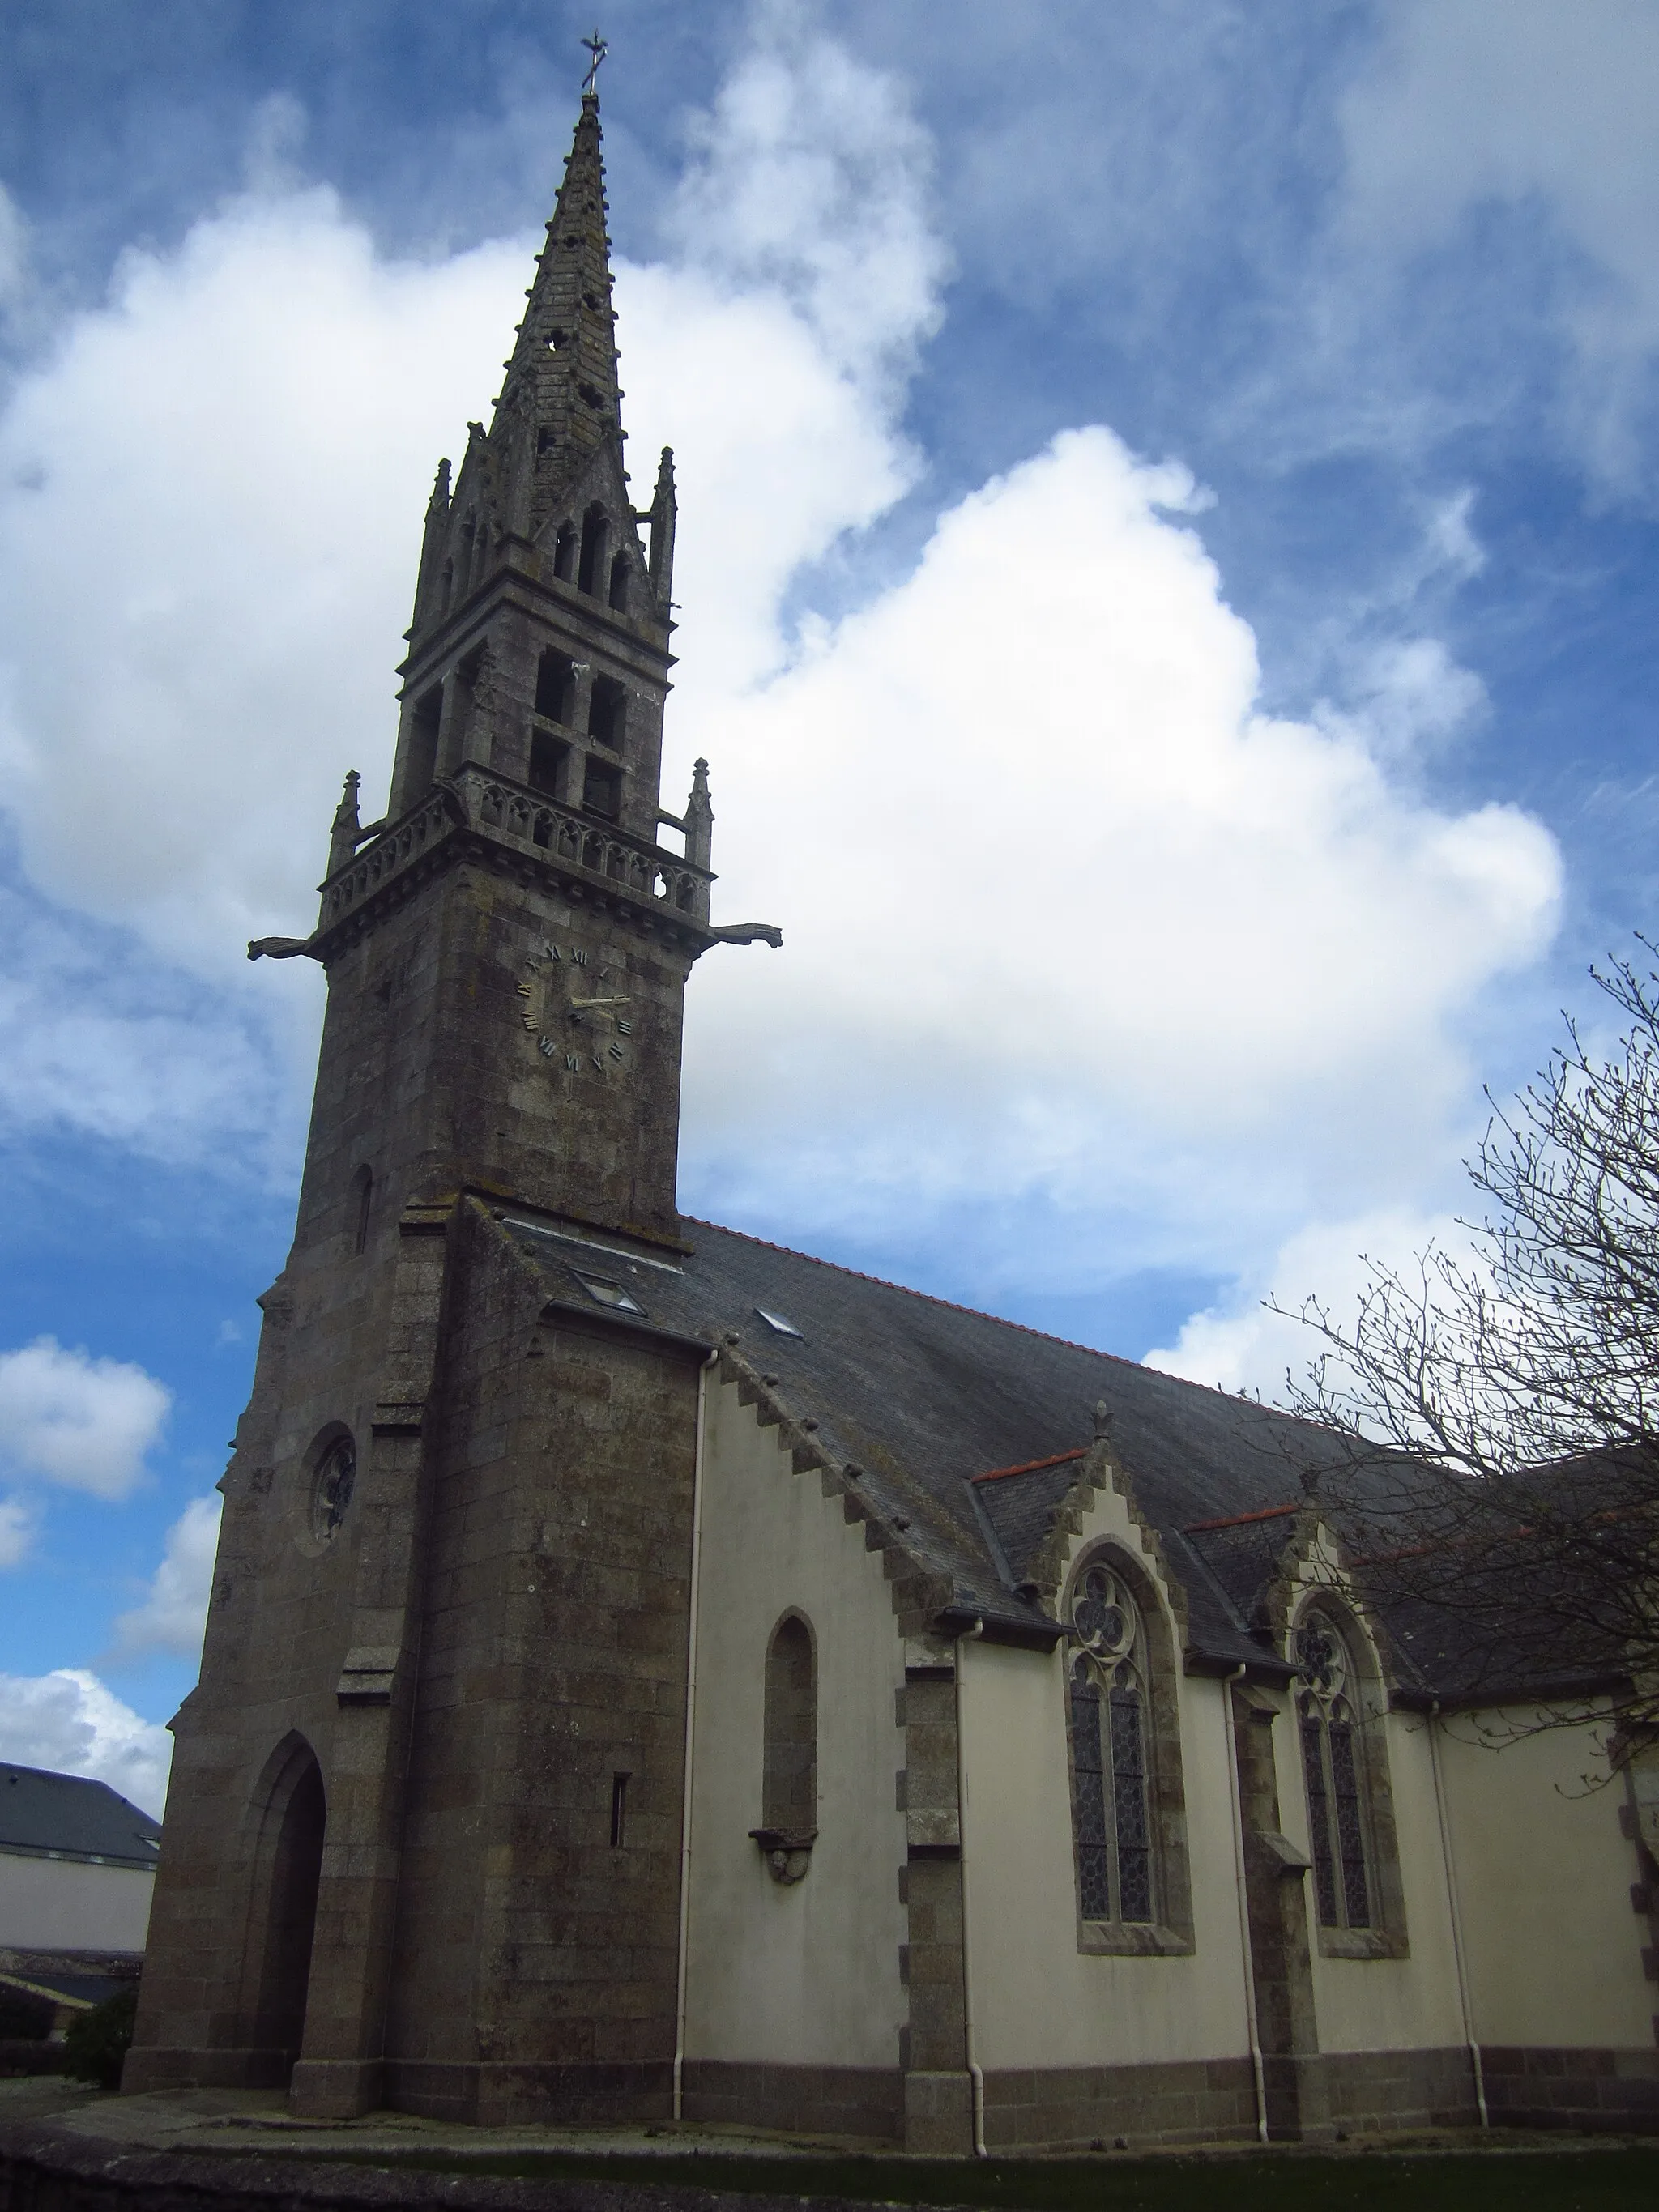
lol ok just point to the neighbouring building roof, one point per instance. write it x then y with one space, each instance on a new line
66 1816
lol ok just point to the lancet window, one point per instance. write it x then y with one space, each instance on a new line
1111 1738
591 567
790 1781
1333 1768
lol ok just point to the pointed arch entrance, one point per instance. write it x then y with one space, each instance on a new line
288 1869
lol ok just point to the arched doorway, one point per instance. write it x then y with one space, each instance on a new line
290 1867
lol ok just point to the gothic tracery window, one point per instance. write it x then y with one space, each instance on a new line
1328 1718
1111 1744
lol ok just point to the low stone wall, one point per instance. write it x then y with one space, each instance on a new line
44 2170
1385 2091
1051 2107
867 2102
1596 2090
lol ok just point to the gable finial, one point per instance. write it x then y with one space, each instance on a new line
598 48
1102 1421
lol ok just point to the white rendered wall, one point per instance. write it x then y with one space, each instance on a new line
1544 1875
1037 2000
1382 2004
1386 2004
806 1973
52 1904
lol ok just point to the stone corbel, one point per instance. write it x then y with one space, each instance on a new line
366 1679
1287 1861
788 1851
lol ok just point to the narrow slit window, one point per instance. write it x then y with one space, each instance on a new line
619 575
790 1790
548 756
362 1204
422 762
619 1810
607 712
564 553
591 567
555 685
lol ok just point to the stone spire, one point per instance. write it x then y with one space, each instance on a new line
560 398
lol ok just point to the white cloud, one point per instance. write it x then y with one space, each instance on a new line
1066 912
1242 1344
1542 109
1064 909
17 1529
14 251
246 433
82 1423
174 1610
809 180
72 1723
104 1043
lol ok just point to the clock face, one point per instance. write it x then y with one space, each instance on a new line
581 1018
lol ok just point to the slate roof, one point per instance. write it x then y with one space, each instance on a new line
47 1816
967 1433
924 1397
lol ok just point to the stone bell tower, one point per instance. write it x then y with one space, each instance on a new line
422 1839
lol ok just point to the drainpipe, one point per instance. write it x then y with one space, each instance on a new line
1456 1916
713 1360
1245 1953
974 2073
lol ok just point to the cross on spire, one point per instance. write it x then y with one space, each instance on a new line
598 48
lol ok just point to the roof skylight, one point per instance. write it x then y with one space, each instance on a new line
604 1293
777 1323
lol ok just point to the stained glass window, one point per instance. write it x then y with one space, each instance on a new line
1112 1812
1331 1767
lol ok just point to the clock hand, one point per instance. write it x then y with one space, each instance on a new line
599 1002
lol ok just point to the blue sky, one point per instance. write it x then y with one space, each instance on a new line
1170 533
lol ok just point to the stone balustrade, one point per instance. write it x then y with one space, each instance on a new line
478 799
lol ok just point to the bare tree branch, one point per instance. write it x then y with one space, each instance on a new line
1494 1418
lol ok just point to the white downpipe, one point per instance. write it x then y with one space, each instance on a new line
1456 1915
1245 1953
713 1360
975 2074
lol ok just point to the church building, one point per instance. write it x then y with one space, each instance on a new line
654 1674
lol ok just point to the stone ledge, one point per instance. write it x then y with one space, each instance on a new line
44 2170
